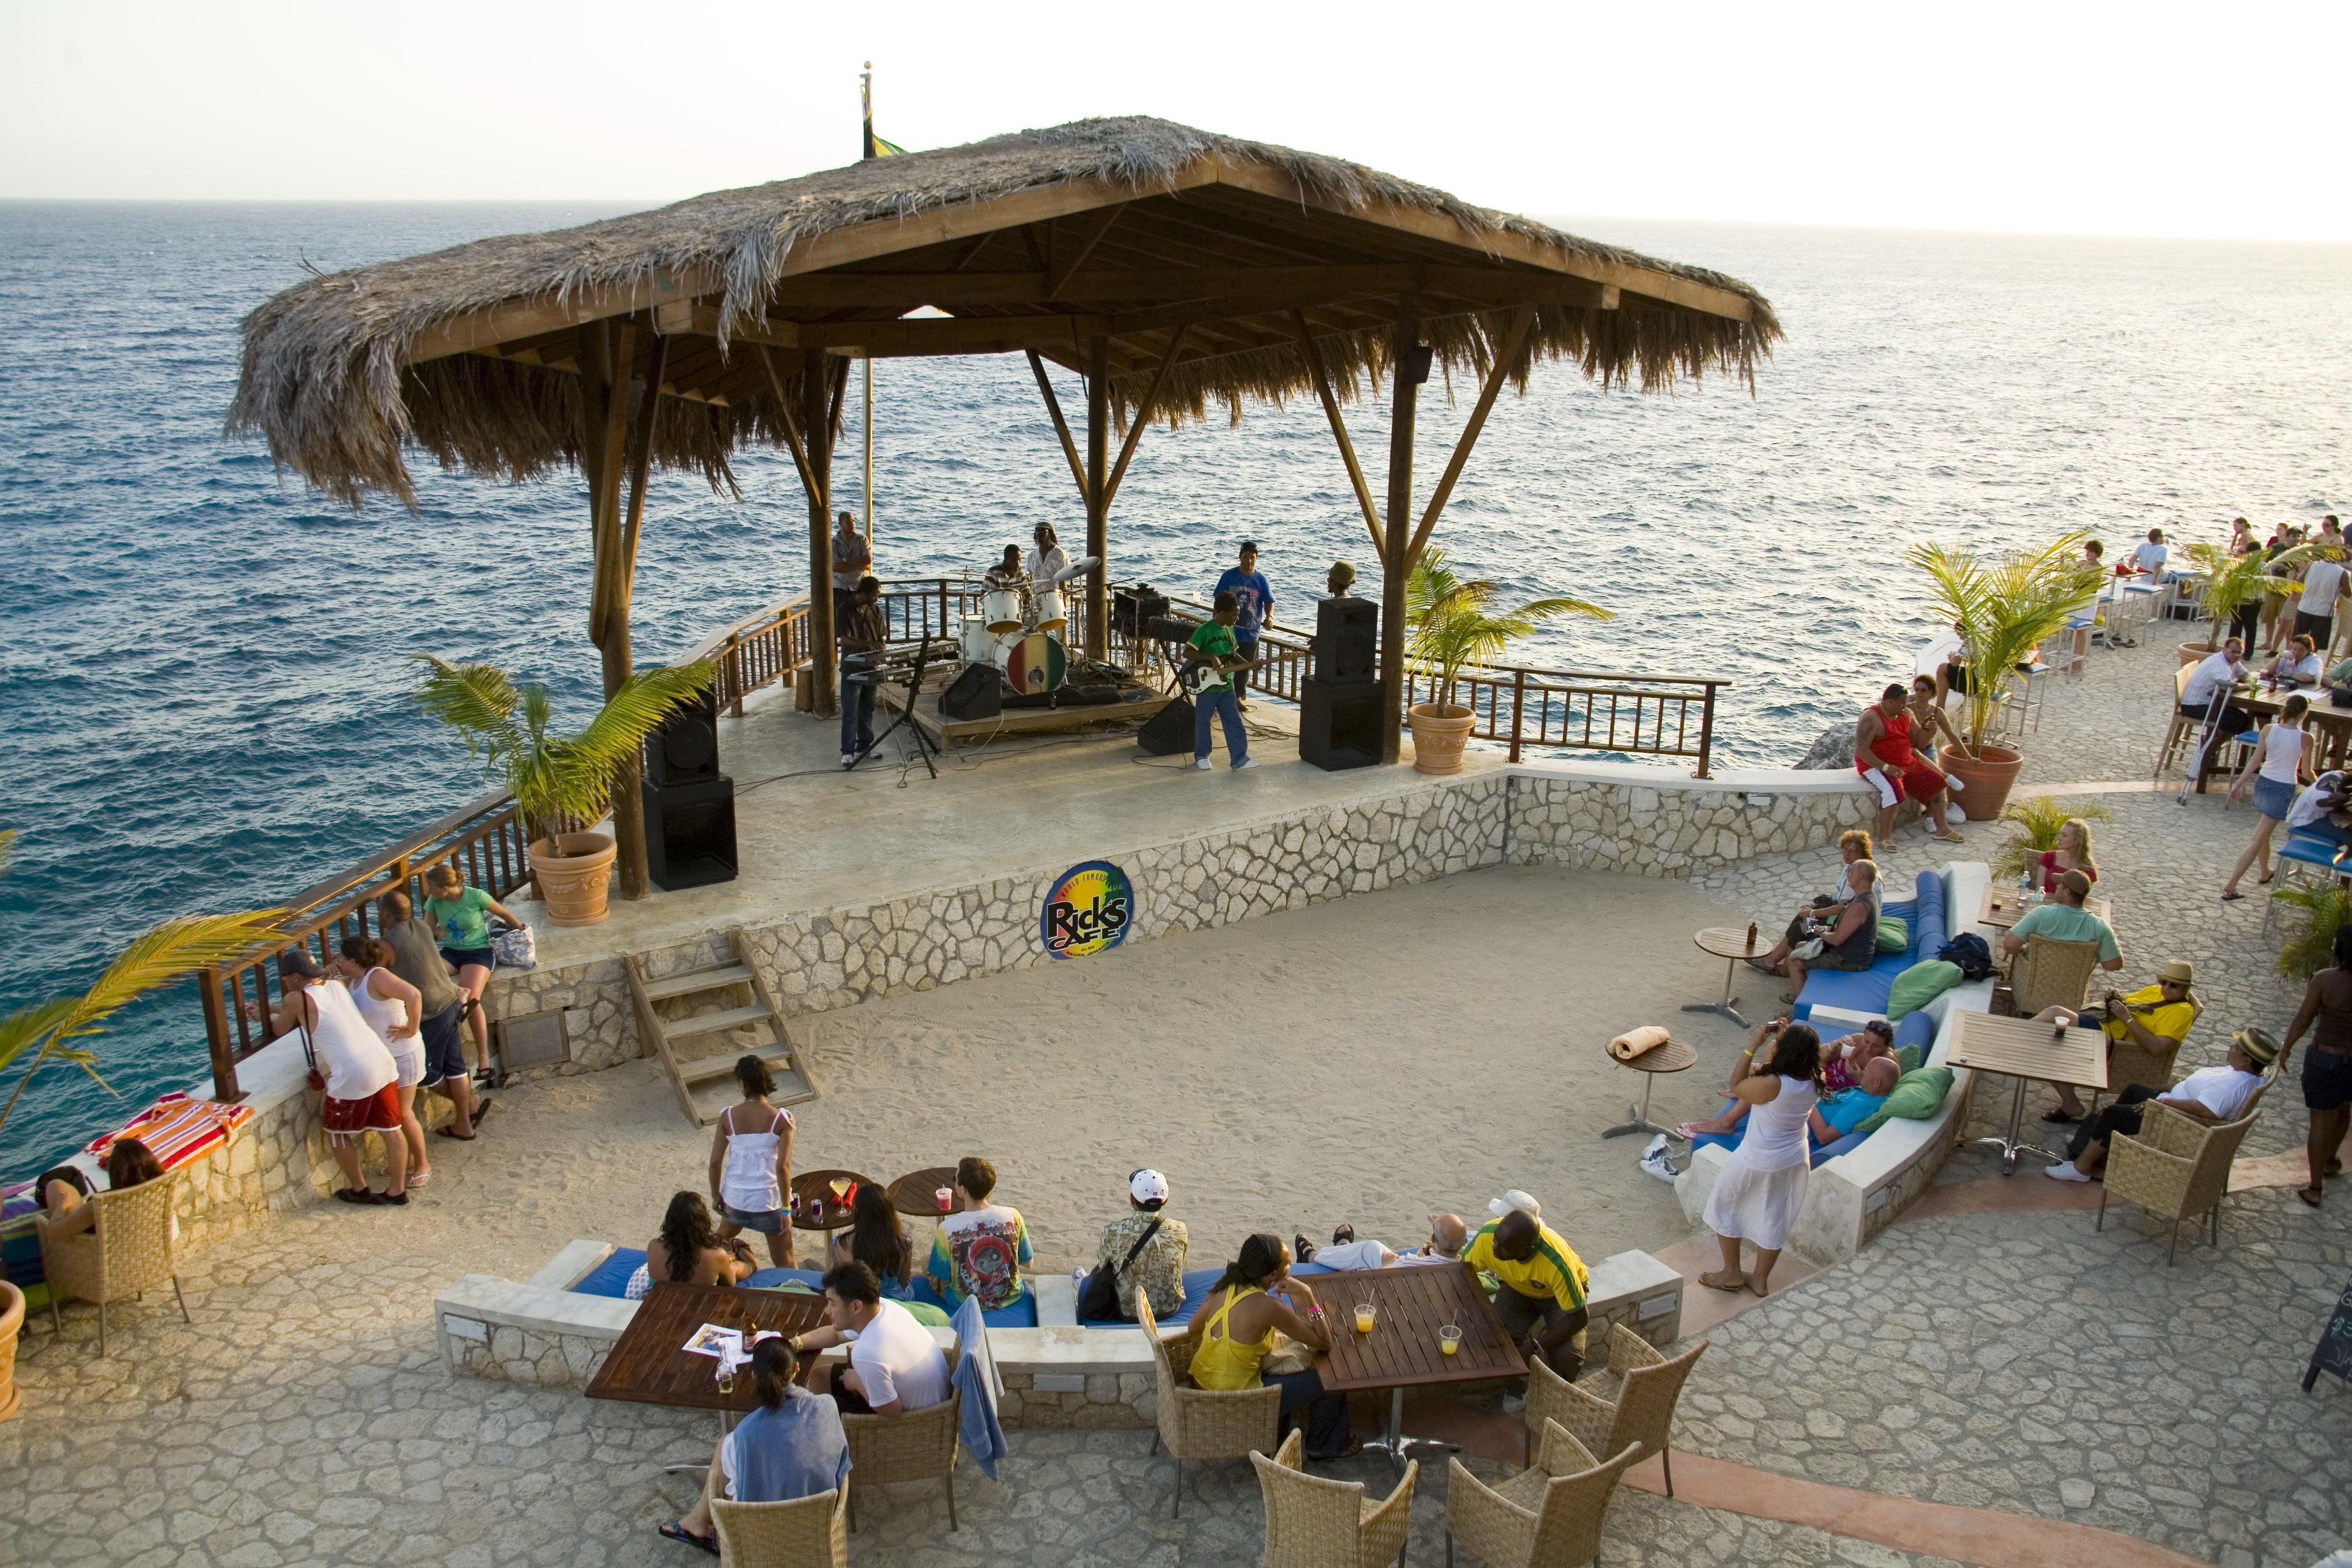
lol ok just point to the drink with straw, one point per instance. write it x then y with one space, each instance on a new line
1449 1340
726 1375
1363 1317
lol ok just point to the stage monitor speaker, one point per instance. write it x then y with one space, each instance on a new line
1346 642
1135 607
685 749
975 694
1170 731
690 833
1339 726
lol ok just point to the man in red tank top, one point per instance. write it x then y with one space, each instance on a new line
1882 754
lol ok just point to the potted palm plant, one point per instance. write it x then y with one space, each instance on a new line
2041 817
557 781
2233 582
1448 625
2004 607
48 1030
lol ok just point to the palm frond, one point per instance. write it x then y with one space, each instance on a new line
2005 607
21 1028
2310 944
7 847
1448 625
477 701
2040 817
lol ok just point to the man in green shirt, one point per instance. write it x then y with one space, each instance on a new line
2066 920
1214 650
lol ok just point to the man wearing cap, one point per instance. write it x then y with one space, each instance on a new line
1541 1298
1341 582
2155 1017
2211 1095
2065 919
1158 1269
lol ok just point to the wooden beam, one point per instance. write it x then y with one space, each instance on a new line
1523 321
954 291
529 317
791 426
1141 417
641 455
1404 391
1339 433
1060 426
1097 496
816 421
1090 233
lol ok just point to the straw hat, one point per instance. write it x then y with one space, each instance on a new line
2180 969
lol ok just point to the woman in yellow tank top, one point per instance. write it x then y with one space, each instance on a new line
1233 1331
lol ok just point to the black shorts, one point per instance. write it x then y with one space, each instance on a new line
2315 627
850 1400
458 957
445 1047
2326 1078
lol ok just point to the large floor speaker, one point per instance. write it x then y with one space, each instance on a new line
1339 726
685 749
975 694
690 833
1170 731
1346 642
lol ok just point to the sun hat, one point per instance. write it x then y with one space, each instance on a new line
2179 969
1515 1199
2259 1044
1148 1186
1344 571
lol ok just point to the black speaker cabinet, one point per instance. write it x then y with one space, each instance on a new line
1339 726
690 833
1170 731
1346 642
685 749
975 694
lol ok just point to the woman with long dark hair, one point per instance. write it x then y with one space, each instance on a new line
64 1192
877 1237
1762 1187
2327 1069
1233 1334
751 1162
690 1251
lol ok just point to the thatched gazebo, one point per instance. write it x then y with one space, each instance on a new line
1171 268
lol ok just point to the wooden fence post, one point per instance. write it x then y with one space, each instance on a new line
1519 707
1706 731
225 1085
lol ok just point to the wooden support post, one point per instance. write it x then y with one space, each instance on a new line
208 988
1060 426
1099 496
1523 320
1339 433
816 394
607 365
1143 412
1403 393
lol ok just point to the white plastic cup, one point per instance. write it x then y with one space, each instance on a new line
1449 1340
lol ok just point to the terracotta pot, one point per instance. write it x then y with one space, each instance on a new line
2196 652
11 1318
1990 774
574 871
1438 735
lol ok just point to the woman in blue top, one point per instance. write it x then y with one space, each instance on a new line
461 917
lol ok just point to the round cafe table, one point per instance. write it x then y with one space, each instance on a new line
812 1189
1731 944
917 1192
1673 1056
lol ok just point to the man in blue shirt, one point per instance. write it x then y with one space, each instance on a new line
1254 600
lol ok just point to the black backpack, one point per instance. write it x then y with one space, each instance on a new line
1099 1302
1969 952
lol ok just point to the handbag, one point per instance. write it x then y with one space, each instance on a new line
1288 1356
513 947
1099 1300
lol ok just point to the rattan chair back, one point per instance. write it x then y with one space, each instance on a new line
917 1446
1311 1522
1639 1409
806 1533
2176 1167
1202 1423
133 1247
1549 1516
2052 973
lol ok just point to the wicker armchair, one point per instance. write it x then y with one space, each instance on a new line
1314 1524
1633 1401
2176 1168
806 1533
920 1446
134 1248
1548 1516
1202 1423
2051 973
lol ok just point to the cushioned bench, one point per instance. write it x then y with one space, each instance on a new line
1865 991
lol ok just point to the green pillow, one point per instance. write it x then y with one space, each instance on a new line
1915 1098
1920 984
933 1317
1894 935
1907 1059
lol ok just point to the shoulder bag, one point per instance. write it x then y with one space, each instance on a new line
1099 1300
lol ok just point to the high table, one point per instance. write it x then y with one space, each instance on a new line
1411 1302
918 1192
2026 1050
1730 943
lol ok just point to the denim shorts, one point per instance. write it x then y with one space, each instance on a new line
2273 798
767 1222
444 1045
2326 1078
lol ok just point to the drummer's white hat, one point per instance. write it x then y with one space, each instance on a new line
1515 1199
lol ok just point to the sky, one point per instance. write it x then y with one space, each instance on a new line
2052 117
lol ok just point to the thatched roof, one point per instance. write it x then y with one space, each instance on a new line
1126 229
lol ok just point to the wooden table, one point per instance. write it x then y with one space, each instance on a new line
813 1187
1730 943
2002 908
1412 1302
917 1192
2330 724
647 1366
2025 1049
1674 1056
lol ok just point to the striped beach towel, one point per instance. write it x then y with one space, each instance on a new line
177 1128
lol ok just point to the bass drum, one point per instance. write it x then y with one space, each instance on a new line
1049 612
1034 662
977 644
1000 608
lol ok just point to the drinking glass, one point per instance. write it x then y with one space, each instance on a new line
946 1196
726 1376
1363 1317
1449 1340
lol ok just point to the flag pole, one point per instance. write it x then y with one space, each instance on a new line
865 102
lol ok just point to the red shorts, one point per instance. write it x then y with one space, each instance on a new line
345 1120
1913 780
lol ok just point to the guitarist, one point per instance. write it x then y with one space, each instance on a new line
1213 659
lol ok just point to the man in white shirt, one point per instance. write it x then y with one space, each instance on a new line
2216 677
895 1368
2150 557
2314 612
1447 1237
2212 1096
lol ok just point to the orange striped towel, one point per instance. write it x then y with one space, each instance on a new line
177 1128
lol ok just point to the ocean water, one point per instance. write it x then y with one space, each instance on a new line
202 669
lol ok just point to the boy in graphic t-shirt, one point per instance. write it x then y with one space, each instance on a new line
980 1247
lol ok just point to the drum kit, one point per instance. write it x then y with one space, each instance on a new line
1019 631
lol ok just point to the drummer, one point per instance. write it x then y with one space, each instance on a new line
1049 560
1007 573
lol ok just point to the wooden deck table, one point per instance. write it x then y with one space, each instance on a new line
647 1366
2002 907
1411 1302
2026 1050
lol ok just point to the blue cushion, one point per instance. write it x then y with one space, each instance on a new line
1865 990
1845 1145
1021 1314
1196 1285
775 1278
611 1277
1916 1029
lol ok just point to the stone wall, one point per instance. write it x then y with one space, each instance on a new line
1677 828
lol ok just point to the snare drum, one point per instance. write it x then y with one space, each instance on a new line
1047 611
1001 609
977 644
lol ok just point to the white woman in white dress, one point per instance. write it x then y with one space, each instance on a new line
1762 1188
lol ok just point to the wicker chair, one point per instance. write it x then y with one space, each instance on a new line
920 1447
1202 1423
2051 973
133 1249
1633 1401
1548 1516
804 1534
2130 1062
1314 1524
2176 1168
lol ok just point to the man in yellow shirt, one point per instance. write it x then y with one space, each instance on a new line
2155 1017
1541 1302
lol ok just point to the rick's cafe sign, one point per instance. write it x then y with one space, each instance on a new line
1088 908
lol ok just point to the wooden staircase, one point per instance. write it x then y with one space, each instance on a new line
700 1052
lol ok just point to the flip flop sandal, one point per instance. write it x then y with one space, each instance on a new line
677 1531
1343 1235
2309 1194
1301 1249
1724 1279
2265 877
2232 898
419 1180
460 1137
2060 1118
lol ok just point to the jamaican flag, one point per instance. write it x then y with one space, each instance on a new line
875 146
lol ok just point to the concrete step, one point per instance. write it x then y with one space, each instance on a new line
687 985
